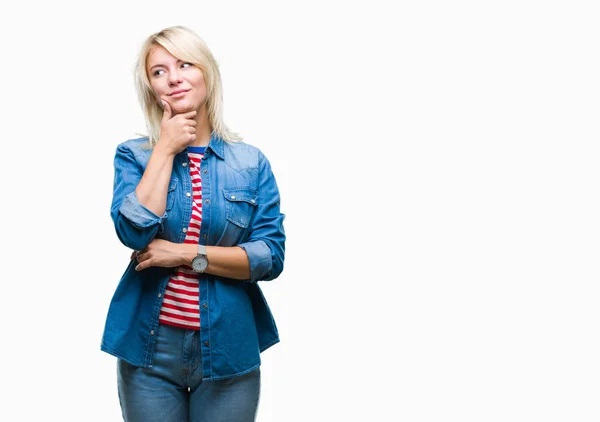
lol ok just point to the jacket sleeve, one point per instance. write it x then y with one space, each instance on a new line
135 224
265 246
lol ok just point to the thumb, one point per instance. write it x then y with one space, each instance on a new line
168 113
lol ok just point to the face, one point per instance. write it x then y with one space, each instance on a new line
180 83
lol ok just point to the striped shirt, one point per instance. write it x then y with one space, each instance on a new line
180 305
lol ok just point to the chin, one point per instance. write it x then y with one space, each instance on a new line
184 107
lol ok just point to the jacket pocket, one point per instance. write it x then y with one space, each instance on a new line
240 203
171 193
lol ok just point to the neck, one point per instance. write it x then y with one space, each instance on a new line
203 134
203 128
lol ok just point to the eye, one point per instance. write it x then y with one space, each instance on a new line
155 73
186 64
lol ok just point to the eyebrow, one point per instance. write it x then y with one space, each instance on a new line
162 65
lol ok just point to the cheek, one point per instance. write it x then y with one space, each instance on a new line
203 90
157 90
158 93
200 83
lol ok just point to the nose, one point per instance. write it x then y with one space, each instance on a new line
174 78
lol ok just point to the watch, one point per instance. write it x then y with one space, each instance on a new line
200 261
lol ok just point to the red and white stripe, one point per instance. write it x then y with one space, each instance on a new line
180 305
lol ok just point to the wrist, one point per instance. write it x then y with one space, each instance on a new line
162 149
200 261
188 252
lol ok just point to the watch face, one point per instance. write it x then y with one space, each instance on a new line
199 263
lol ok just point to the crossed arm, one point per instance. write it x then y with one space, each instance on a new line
138 214
230 262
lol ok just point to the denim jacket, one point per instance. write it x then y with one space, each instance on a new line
240 207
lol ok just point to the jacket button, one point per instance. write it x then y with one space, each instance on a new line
205 171
184 164
152 332
206 343
188 194
204 305
207 201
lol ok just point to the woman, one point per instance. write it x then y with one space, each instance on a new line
201 211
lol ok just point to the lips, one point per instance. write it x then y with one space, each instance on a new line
178 93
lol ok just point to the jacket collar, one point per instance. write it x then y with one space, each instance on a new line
216 144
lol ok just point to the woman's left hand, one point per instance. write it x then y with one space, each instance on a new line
159 253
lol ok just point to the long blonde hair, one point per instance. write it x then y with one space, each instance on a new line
187 46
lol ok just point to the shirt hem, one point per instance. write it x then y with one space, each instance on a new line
119 356
239 374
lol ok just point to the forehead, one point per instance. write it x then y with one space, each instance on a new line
159 55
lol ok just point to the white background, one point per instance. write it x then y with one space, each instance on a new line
438 164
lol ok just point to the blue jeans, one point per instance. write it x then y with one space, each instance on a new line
173 391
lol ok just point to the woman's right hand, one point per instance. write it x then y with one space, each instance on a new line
176 131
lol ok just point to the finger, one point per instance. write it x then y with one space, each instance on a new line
190 114
133 255
168 113
143 264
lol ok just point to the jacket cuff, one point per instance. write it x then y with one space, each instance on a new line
259 256
137 214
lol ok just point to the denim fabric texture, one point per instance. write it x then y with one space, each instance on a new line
173 390
241 206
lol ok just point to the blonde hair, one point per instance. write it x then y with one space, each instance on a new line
187 46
